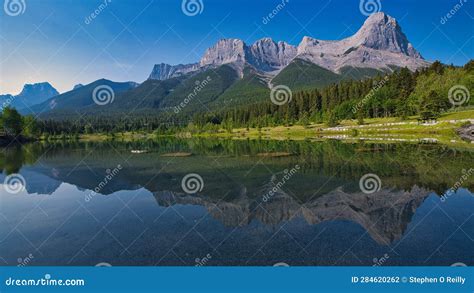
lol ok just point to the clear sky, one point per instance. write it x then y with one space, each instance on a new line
55 41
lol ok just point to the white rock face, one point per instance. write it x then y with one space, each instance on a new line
225 51
268 56
379 43
382 32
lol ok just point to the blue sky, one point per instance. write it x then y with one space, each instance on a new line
52 41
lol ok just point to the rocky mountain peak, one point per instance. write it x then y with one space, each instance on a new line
225 51
267 55
382 32
42 88
164 71
79 85
30 95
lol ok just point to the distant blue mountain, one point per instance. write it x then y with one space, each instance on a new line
82 97
31 94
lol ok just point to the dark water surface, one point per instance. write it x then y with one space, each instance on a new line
259 203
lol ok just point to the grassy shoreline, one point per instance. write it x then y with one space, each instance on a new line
377 129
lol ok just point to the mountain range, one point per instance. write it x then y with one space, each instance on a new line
234 72
379 44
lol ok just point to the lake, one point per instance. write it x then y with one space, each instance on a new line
199 202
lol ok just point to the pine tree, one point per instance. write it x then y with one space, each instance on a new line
332 120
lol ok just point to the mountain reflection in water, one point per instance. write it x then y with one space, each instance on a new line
318 216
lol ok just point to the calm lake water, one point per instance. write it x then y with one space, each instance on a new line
221 202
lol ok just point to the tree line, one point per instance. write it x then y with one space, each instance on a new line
14 125
401 93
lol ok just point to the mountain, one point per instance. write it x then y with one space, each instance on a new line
268 56
301 73
165 71
380 45
6 100
200 88
232 73
30 95
79 98
77 86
